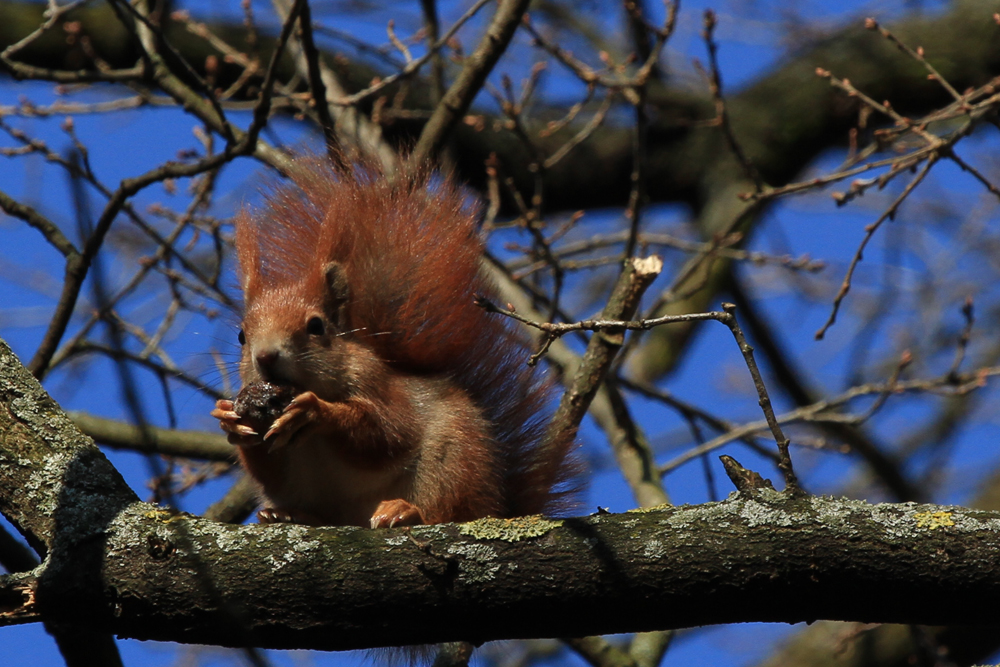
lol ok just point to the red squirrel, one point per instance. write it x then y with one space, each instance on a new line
411 404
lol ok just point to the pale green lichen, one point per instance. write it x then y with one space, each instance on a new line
971 521
302 538
433 531
509 530
654 549
232 539
686 518
830 510
285 559
479 562
40 485
760 514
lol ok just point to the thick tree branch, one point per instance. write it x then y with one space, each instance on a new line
176 577
115 564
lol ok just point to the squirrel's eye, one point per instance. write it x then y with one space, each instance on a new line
314 327
242 337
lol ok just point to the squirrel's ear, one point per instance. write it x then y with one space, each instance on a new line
336 292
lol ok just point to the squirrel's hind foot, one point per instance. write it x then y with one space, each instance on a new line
279 515
398 512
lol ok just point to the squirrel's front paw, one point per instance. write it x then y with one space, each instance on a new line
303 410
230 421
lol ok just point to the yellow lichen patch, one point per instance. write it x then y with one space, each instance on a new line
932 520
509 530
163 515
654 508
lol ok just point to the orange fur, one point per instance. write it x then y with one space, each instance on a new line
411 393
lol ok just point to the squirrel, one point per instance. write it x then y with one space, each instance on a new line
395 400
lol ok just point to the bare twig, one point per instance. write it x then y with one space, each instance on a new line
824 411
963 339
917 55
151 440
870 230
469 81
413 67
715 86
52 15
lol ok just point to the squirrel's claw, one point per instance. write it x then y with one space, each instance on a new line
225 412
226 417
281 515
229 421
297 414
398 512
274 515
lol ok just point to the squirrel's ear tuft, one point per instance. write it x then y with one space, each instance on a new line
247 252
337 292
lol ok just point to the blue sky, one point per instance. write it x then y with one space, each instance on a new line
750 34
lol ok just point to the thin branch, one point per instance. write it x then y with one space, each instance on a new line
52 15
237 504
636 276
411 68
785 461
318 89
824 410
578 394
263 107
433 28
153 440
49 230
963 339
470 80
77 266
917 55
715 85
793 382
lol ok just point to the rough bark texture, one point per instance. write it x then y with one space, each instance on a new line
175 577
764 559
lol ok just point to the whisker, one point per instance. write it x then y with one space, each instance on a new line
380 333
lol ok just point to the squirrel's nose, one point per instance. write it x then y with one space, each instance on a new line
266 361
